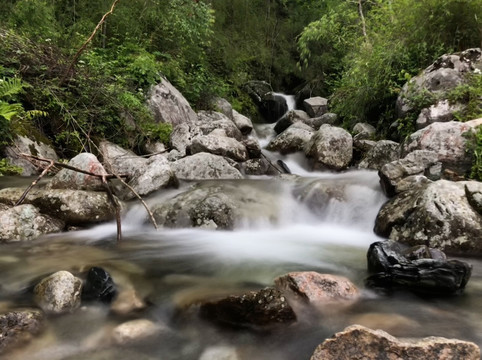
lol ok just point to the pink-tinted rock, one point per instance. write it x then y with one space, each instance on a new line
360 343
313 287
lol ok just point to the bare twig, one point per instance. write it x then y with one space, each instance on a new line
84 46
116 206
25 193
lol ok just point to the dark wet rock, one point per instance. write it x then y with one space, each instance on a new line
291 140
382 153
74 180
273 106
202 166
263 308
19 327
25 223
75 207
436 214
314 287
316 106
253 147
330 147
169 105
58 293
420 269
259 166
257 89
99 286
360 343
24 145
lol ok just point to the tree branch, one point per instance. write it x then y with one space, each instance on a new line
84 46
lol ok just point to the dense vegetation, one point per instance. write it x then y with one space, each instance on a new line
358 52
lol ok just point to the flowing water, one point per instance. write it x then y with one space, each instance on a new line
174 269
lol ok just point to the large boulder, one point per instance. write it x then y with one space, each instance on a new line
316 106
290 118
181 137
316 288
217 205
24 145
156 174
436 81
360 343
75 207
292 139
74 180
448 140
58 293
420 269
223 106
437 214
25 222
273 106
19 327
257 309
442 111
330 147
363 131
120 161
169 105
219 145
203 166
382 153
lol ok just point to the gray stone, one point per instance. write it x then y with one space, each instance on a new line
211 120
59 293
290 118
414 163
74 180
203 166
383 152
169 106
156 174
243 123
253 147
442 111
220 353
181 138
364 131
259 166
75 207
316 106
154 148
437 214
328 118
22 144
330 147
25 223
448 140
360 343
292 139
19 327
473 191
219 145
120 161
223 106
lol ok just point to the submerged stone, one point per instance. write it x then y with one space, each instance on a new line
99 286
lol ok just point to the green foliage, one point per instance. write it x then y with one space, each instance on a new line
469 94
158 132
7 169
474 147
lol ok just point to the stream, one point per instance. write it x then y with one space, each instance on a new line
176 268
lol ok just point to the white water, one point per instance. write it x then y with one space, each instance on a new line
290 100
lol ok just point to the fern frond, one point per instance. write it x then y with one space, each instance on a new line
33 114
10 87
8 111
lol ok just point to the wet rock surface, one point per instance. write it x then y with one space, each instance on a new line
360 343
99 286
205 166
18 327
292 139
420 269
262 308
59 293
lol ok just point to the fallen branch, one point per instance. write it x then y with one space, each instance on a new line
113 199
24 195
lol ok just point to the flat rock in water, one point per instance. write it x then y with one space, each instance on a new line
263 308
18 327
360 343
314 287
419 269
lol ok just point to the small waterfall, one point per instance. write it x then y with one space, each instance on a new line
290 100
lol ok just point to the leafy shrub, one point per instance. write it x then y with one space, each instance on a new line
469 94
7 169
